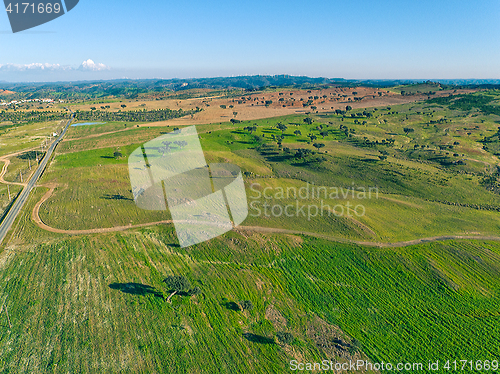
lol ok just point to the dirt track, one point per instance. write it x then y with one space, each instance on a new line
216 114
6 160
36 218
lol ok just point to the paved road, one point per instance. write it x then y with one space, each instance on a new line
21 199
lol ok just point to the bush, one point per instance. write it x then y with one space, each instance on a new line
246 305
285 337
355 346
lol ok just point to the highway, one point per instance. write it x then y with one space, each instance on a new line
23 197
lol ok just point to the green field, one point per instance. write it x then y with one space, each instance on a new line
416 197
96 303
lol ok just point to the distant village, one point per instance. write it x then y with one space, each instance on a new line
18 102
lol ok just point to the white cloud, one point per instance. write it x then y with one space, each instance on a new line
31 67
88 65
92 66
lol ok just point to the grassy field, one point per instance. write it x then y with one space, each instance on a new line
97 304
18 138
416 197
4 195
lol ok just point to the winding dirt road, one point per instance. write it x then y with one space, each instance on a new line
6 160
36 218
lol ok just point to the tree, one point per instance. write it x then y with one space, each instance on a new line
251 129
312 137
348 108
281 127
318 145
177 283
302 153
297 132
408 130
324 133
308 120
123 106
285 337
117 154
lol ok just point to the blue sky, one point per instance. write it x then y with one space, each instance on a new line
384 39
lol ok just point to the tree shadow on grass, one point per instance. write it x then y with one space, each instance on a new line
136 289
231 305
257 338
116 197
280 158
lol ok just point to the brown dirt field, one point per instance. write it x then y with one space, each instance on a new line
253 106
6 92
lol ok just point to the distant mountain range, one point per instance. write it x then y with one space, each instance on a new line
255 82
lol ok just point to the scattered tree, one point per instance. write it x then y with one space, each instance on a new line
281 127
251 129
302 153
318 145
177 283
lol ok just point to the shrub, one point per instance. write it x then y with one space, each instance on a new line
285 337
